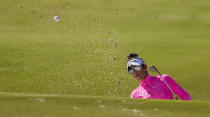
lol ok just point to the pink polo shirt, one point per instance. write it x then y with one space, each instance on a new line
153 87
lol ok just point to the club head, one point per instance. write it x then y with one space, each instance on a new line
152 68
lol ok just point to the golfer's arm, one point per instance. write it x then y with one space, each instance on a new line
133 94
178 90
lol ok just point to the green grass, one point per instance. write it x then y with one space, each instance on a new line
24 105
77 66
76 56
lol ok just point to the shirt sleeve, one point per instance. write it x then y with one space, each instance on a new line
133 94
177 89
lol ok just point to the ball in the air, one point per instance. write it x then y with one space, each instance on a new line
56 18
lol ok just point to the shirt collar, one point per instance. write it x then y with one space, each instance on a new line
145 80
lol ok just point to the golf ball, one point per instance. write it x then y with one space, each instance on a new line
56 18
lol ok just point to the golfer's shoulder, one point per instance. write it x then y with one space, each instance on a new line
155 79
165 76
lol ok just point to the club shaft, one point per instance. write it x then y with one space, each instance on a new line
167 84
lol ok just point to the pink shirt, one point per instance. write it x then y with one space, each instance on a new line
153 87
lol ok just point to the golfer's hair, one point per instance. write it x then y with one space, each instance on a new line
132 56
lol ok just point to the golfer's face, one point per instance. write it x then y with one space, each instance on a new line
139 74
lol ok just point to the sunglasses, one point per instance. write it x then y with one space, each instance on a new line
132 69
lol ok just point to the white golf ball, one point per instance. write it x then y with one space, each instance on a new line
56 18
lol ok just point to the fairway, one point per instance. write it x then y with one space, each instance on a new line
78 65
24 105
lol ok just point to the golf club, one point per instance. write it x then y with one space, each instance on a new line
154 69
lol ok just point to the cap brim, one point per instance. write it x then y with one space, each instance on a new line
135 62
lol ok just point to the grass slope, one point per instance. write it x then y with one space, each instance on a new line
84 53
25 105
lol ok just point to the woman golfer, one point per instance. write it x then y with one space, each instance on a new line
152 87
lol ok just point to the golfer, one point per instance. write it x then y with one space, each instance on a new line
152 87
